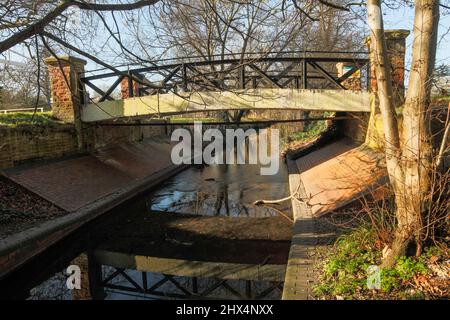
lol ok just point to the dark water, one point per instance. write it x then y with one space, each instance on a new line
196 223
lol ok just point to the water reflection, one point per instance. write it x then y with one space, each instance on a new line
197 236
220 190
136 285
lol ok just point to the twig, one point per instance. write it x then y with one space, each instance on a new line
292 196
36 104
261 202
444 140
284 215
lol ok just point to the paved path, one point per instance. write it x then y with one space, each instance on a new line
299 270
328 179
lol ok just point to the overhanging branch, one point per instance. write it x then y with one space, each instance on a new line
333 5
114 7
39 26
98 61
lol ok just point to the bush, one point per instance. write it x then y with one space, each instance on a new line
344 270
311 130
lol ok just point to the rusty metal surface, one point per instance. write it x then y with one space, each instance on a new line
74 183
339 173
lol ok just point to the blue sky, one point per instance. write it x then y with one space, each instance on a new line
403 18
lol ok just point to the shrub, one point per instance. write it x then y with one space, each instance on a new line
344 270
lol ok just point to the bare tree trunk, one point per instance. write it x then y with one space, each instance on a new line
416 151
385 97
407 163
385 91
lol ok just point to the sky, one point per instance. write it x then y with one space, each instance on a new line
401 18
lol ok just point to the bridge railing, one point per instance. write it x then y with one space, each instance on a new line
289 69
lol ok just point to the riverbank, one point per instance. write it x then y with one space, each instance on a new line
83 186
333 248
21 209
341 270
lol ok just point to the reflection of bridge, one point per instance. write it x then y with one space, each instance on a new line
199 255
291 80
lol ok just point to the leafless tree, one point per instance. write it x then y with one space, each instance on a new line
20 24
409 154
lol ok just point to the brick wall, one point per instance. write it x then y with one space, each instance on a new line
396 47
354 81
124 88
67 91
356 127
62 105
25 143
101 136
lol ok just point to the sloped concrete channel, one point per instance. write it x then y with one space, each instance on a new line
196 235
86 186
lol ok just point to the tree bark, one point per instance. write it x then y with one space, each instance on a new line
385 95
416 136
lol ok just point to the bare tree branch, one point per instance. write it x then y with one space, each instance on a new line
38 26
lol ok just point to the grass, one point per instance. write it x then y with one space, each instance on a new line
311 130
26 118
343 272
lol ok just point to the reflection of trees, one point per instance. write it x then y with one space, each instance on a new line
222 200
222 191
52 289
216 190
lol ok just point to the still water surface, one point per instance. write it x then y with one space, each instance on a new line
199 227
